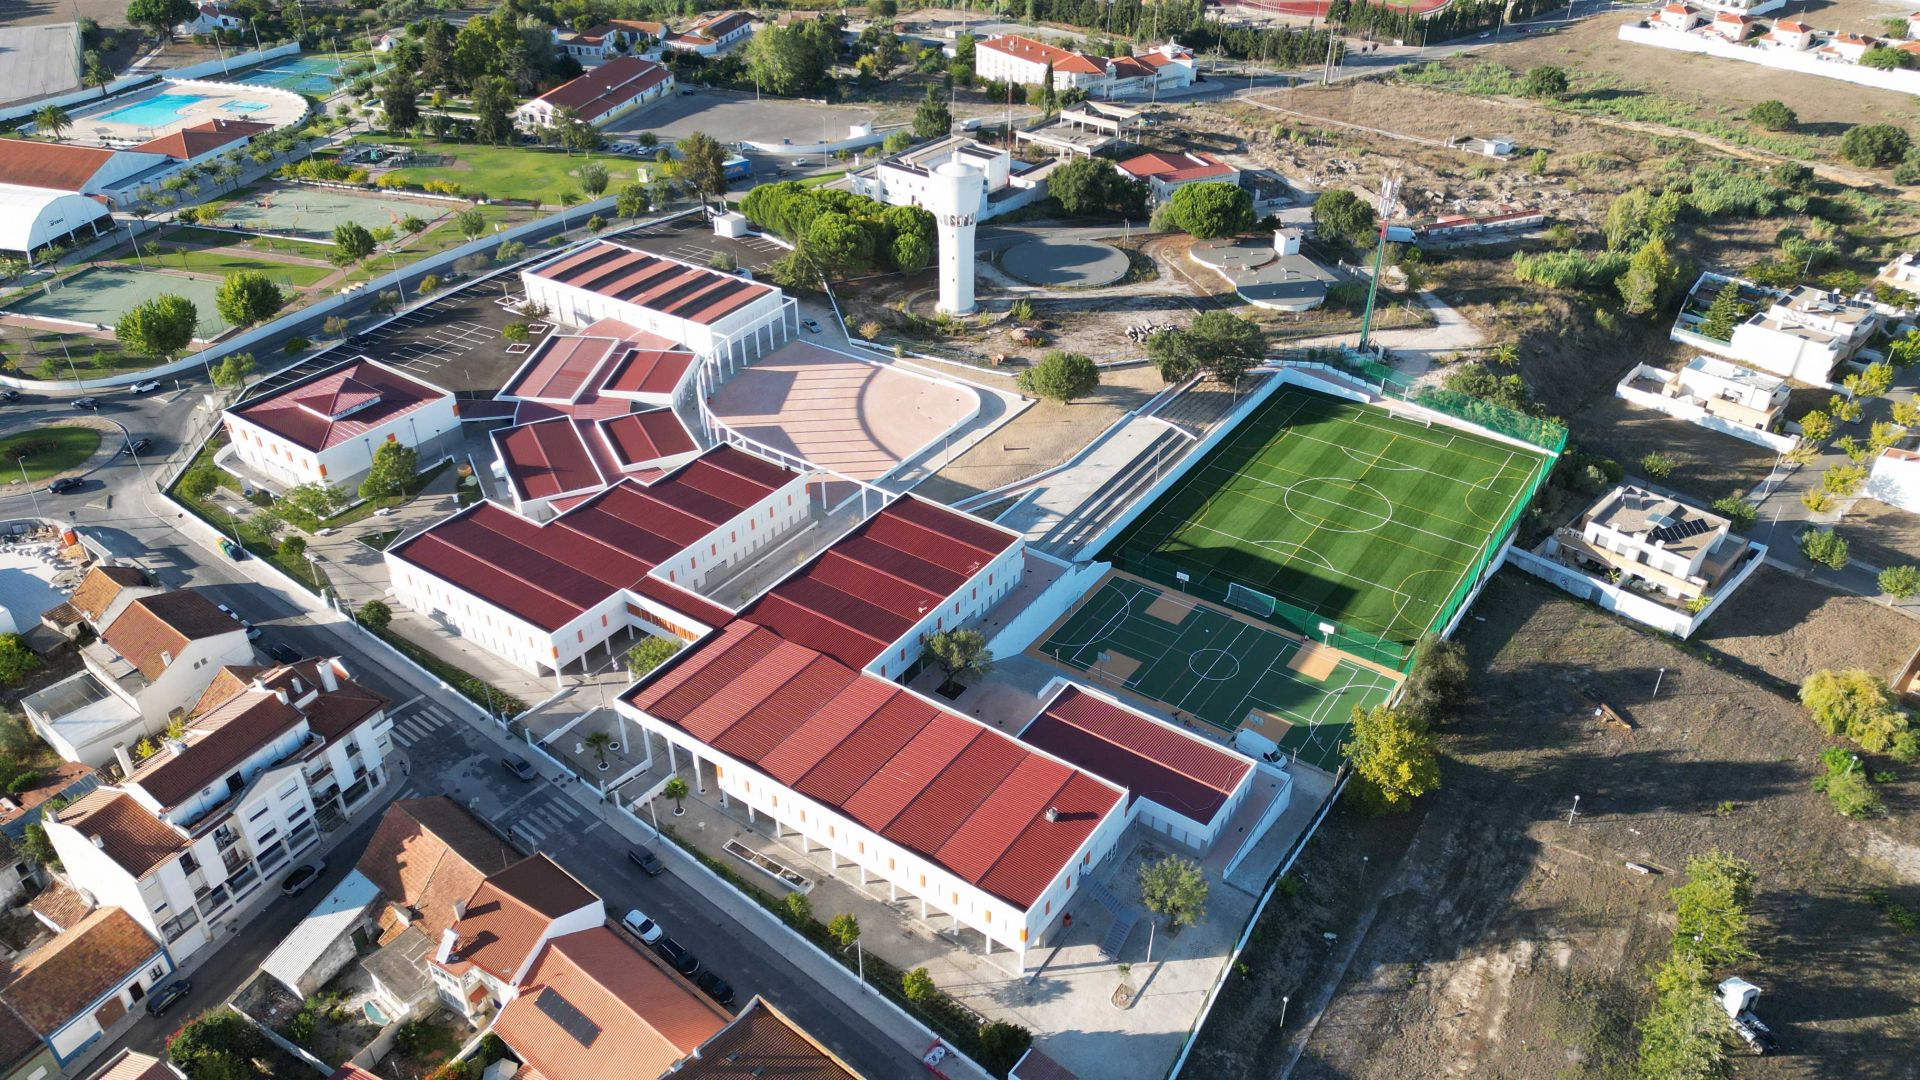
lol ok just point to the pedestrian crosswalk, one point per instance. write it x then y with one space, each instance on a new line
532 822
420 724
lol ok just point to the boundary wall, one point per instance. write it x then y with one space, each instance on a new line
1804 63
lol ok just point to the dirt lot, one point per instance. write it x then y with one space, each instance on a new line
1706 464
1486 936
1879 535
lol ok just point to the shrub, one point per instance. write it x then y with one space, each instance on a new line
1873 145
1772 115
1824 547
796 908
334 326
1738 511
1845 784
1856 705
918 985
295 344
375 614
1816 500
1002 1045
1844 480
1816 426
1900 582
1656 465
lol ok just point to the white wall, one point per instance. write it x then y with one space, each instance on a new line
579 307
1694 414
980 592
761 525
268 452
1895 481
190 673
1624 602
1902 82
507 636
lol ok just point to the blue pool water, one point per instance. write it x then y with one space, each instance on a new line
315 75
154 111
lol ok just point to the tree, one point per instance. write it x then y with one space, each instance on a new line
1772 115
598 742
703 164
232 371
436 51
1726 312
161 327
1060 376
493 104
293 548
211 1044
1650 277
1545 82
795 907
1002 1045
1901 582
375 614
1882 58
53 120
1219 343
17 659
932 119
1857 705
844 929
1816 426
650 654
593 179
199 482
400 99
896 142
471 222
962 656
1343 217
1711 911
1685 1036
917 985
792 60
351 242
160 16
395 464
1091 186
97 74
1824 547
1874 145
632 201
1437 686
245 298
1738 511
676 789
1174 889
1393 757
1204 211
38 849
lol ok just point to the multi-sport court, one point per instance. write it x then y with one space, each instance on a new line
1207 664
310 213
1338 521
316 75
102 294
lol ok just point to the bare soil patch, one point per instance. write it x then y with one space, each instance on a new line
1879 535
1785 628
1502 941
1706 464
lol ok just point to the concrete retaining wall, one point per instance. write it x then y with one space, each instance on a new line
1625 602
1694 414
1805 63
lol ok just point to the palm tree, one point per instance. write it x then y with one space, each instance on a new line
676 789
599 741
52 119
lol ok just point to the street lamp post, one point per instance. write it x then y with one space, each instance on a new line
30 492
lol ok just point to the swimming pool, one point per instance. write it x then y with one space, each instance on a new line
155 111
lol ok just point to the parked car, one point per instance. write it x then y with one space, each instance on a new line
228 612
232 550
715 987
811 326
646 860
676 956
283 653
90 404
66 484
147 387
9 395
167 997
642 927
519 766
138 446
302 876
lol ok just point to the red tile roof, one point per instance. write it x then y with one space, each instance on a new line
637 438
510 911
762 1042
53 984
337 405
98 590
561 368
599 33
648 371
1034 1065
626 1015
54 166
1792 27
874 584
720 25
190 142
1039 52
942 785
607 87
1150 759
669 286
132 1065
428 855
152 631
550 574
129 833
351 1072
62 905
48 785
1174 167
547 458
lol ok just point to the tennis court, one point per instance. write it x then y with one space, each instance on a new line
101 294
309 213
1222 669
316 75
1343 522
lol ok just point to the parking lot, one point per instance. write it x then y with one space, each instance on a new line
733 116
691 239
453 342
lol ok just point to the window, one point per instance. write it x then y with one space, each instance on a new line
188 864
288 791
158 971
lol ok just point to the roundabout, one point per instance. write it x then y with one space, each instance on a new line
1068 264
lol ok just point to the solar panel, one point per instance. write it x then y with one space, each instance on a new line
571 1020
1682 530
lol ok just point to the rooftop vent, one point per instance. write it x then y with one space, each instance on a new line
1053 813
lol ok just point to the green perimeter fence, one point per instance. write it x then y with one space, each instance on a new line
1209 585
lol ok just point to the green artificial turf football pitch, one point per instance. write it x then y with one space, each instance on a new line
1339 512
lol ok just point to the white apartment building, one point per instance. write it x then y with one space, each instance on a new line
326 427
714 34
1663 543
1011 58
150 665
1805 334
1736 394
186 840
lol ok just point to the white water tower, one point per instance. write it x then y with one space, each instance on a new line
953 197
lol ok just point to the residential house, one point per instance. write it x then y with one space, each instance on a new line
1788 34
328 939
1805 334
325 428
269 758
714 34
78 988
1913 26
484 958
1902 273
210 17
600 96
1845 47
150 664
1165 171
133 1065
1739 395
1653 543
610 39
1735 28
20 809
594 1004
1678 17
1743 7
102 594
762 1042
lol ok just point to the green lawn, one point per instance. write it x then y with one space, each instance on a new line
47 451
274 245
178 253
1339 513
505 172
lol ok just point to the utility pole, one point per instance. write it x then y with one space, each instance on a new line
1387 189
